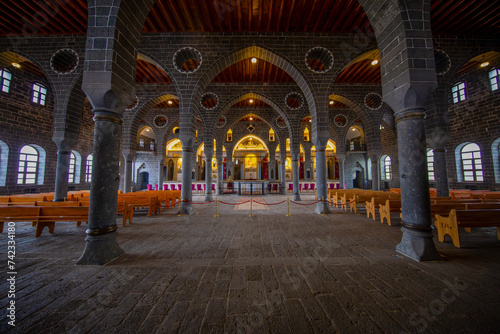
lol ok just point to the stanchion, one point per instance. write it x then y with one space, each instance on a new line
251 210
288 205
216 215
323 201
180 212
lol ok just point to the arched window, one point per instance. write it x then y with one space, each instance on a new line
495 152
28 165
75 163
430 165
229 137
271 135
469 164
88 168
4 157
5 78
306 134
369 169
39 93
386 167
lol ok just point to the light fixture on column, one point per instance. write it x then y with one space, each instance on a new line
254 60
16 65
375 62
486 63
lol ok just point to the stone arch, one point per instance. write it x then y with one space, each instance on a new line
141 128
261 97
368 53
143 55
264 54
264 119
235 146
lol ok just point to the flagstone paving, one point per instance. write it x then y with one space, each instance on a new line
264 274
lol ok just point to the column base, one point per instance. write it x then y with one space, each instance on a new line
296 197
186 210
322 209
209 198
418 245
100 250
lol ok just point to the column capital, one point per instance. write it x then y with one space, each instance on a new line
341 157
410 113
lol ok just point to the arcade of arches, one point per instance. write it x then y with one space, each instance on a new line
120 95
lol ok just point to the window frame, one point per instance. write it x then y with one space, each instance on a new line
456 92
495 77
386 167
430 165
473 164
24 164
36 96
3 79
89 162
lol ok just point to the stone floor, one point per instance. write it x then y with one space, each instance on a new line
264 274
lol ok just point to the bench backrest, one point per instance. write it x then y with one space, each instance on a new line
18 211
41 203
64 211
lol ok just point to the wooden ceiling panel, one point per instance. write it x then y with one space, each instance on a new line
7 58
491 57
246 71
360 72
149 73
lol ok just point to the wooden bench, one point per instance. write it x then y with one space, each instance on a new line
136 201
391 205
44 216
466 219
126 211
376 202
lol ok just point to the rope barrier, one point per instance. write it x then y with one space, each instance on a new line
233 203
306 204
269 203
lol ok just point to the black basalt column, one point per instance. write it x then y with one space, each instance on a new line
417 240
375 175
102 246
441 172
62 173
127 183
296 176
321 182
283 168
208 174
340 159
187 180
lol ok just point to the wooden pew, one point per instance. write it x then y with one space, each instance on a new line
466 219
376 201
18 214
49 215
136 201
126 211
391 205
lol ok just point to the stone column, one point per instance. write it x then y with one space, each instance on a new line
340 158
209 153
321 180
187 179
129 160
441 172
296 174
161 177
102 246
62 171
220 166
308 165
271 166
283 166
417 241
375 159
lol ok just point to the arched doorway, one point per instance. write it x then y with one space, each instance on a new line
251 158
143 180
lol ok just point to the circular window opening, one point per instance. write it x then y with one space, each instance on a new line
340 120
64 61
294 100
319 60
187 60
280 122
209 101
134 104
221 122
443 62
160 121
373 101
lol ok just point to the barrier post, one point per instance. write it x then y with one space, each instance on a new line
180 212
288 205
323 201
251 201
216 214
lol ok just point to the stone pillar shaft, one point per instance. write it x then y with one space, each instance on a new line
127 183
208 175
296 176
187 180
321 181
417 241
441 173
62 175
102 246
375 175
